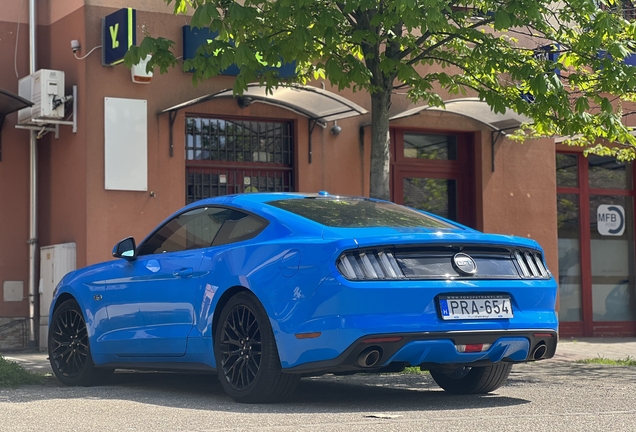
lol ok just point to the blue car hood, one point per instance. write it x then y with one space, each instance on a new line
365 237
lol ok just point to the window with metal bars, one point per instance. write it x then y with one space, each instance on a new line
213 139
226 156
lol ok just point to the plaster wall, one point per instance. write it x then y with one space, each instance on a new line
519 196
62 189
14 172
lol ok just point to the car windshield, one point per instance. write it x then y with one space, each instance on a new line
358 213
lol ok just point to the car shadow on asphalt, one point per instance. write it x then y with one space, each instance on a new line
356 393
367 393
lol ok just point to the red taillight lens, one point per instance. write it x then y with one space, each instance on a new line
308 335
472 348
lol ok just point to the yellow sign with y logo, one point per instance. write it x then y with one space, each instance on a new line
118 34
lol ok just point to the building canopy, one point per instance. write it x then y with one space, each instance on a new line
314 103
474 109
10 102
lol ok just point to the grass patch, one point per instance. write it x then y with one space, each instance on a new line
14 375
628 361
414 370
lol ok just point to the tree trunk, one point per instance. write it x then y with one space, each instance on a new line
380 144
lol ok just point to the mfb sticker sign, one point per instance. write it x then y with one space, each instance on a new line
118 34
610 220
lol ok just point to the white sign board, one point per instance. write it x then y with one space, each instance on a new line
610 220
125 144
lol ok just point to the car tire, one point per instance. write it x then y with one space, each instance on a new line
247 359
69 348
477 380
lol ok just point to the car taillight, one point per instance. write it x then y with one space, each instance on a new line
472 348
369 265
531 265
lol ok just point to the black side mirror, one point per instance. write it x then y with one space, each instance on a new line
125 249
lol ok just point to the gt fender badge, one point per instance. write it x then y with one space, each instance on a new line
464 264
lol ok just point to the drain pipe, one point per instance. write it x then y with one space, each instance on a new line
34 297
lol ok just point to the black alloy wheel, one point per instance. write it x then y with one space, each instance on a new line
247 358
69 348
240 347
69 343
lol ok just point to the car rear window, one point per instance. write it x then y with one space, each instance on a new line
358 213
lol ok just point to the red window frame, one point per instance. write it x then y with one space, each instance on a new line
461 170
587 326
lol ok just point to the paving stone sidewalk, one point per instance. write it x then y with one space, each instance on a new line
568 350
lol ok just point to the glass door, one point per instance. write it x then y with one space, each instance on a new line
432 172
434 195
596 246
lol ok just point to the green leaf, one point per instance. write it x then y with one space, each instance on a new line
582 105
502 20
132 57
243 55
147 46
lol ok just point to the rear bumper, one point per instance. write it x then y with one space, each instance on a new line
435 350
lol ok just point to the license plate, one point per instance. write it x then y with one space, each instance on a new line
475 307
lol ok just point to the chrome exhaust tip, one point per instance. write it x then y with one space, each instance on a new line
539 351
369 357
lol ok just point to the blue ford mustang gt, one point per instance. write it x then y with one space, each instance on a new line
267 288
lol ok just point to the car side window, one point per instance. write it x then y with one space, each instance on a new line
191 230
240 226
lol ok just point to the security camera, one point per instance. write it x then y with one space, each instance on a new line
335 129
244 101
75 45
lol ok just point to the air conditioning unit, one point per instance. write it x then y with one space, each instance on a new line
45 88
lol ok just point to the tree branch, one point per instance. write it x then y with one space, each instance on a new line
444 41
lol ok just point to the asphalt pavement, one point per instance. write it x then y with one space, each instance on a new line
546 396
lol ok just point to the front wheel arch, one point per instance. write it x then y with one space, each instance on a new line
69 346
61 299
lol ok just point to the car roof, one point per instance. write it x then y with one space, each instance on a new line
263 197
258 203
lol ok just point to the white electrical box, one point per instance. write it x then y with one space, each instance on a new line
45 88
55 262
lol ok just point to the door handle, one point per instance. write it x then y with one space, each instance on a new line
184 272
